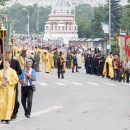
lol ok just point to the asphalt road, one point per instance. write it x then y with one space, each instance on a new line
78 102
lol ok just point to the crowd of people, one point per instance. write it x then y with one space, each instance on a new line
73 56
110 66
10 74
21 65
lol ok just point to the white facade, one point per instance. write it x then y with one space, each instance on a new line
61 23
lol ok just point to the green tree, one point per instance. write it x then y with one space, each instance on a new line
33 17
84 15
2 2
96 26
19 13
116 15
102 12
84 27
126 18
43 13
85 10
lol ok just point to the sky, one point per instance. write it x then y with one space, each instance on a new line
50 2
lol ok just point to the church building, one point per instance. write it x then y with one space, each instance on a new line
61 23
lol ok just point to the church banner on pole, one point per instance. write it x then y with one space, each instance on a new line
123 46
127 46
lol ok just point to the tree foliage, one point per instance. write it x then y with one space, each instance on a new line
84 27
84 15
96 27
19 14
126 18
116 15
2 2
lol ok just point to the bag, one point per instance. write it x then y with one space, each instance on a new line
33 87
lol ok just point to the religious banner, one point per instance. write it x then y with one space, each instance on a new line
127 46
121 44
7 25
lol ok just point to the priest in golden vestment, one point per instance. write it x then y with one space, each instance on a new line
8 80
21 61
51 59
46 61
64 65
108 70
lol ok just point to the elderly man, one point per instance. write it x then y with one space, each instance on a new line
29 75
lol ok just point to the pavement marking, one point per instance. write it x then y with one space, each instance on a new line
76 83
36 114
45 111
42 83
59 83
111 84
91 83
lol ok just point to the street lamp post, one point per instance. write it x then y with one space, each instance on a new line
28 25
109 25
28 28
37 24
38 16
74 4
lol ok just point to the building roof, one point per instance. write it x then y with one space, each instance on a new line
60 7
83 39
97 39
87 39
61 3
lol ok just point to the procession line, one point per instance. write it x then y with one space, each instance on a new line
36 114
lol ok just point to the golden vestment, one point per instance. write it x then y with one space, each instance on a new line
7 93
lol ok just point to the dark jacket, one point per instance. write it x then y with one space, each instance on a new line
60 62
75 60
